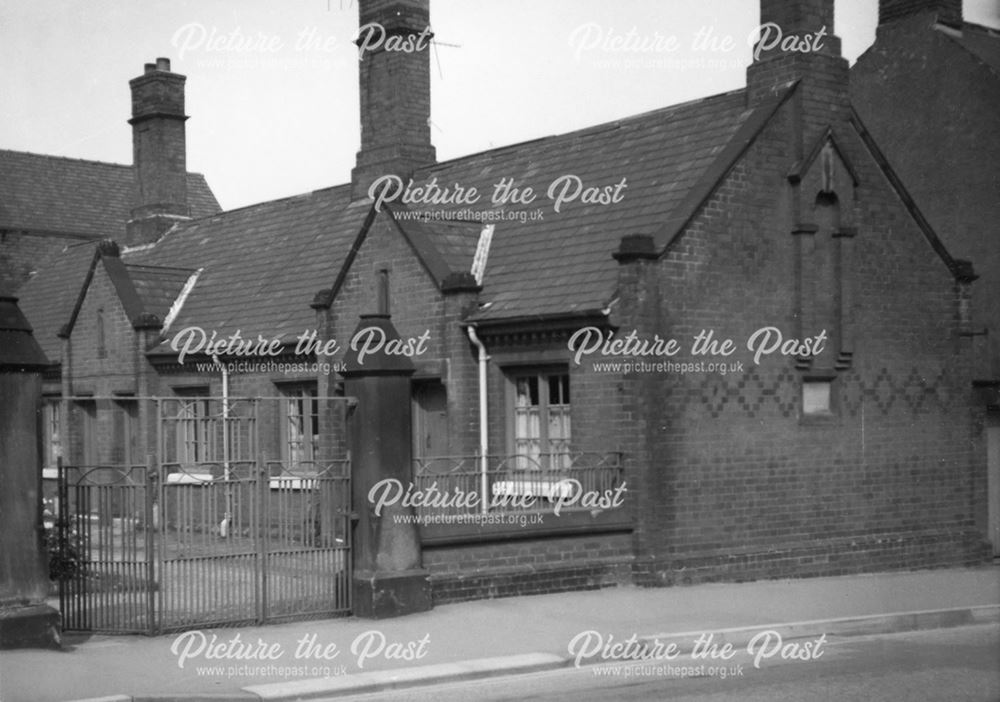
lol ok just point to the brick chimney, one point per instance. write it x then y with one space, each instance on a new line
946 11
159 153
394 72
798 43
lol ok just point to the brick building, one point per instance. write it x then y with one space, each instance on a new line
48 203
928 60
816 415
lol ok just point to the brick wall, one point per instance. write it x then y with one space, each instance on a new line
741 484
948 158
491 567
113 370
529 566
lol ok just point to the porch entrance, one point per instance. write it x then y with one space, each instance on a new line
240 515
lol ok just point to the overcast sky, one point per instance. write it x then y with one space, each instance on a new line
272 86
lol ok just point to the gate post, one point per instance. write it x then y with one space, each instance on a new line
389 579
25 619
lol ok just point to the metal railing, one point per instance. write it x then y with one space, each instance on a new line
211 531
514 483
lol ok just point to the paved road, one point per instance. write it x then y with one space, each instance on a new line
944 664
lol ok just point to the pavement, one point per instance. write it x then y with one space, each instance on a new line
328 658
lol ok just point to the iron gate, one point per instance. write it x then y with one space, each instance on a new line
210 531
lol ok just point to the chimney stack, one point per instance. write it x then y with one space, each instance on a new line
394 70
798 43
159 153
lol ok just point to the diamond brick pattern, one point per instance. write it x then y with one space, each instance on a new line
914 393
767 394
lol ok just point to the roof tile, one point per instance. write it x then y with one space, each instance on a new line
72 196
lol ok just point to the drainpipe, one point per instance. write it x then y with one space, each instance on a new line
224 526
484 445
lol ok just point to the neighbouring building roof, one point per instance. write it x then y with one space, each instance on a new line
259 267
49 297
52 194
263 264
982 42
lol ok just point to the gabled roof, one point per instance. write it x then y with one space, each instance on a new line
455 241
52 194
559 263
829 136
49 297
51 300
261 265
961 270
158 286
443 247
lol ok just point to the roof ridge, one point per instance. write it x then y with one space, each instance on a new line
67 158
756 119
281 200
958 34
182 269
75 159
981 27
585 131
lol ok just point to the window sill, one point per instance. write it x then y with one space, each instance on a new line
566 524
819 419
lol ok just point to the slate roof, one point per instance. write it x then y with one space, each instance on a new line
158 286
455 241
263 264
561 264
71 196
48 298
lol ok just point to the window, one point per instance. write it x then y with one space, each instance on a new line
102 351
192 421
430 419
82 446
300 428
51 442
124 434
816 397
541 419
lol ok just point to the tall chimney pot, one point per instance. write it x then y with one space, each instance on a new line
159 147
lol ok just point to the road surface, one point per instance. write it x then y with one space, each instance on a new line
962 663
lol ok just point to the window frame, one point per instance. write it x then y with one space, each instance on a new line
101 334
543 374
199 420
125 433
830 413
301 393
52 442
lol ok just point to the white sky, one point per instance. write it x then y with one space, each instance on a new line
279 114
